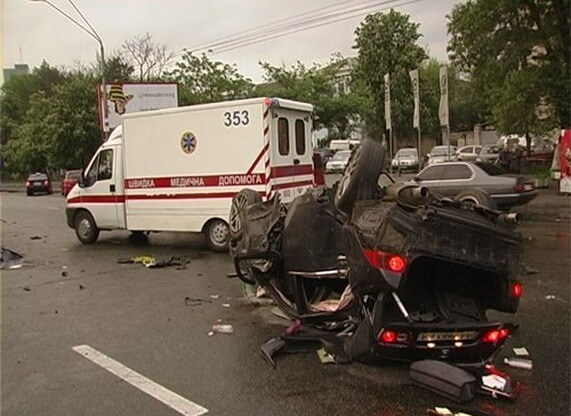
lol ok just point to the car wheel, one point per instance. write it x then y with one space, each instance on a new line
478 197
29 193
242 199
359 180
85 227
217 235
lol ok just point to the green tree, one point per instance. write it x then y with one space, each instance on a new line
202 80
117 69
517 53
387 43
60 130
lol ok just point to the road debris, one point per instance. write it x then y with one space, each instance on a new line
36 237
10 259
521 351
81 287
325 357
27 289
528 270
519 363
195 301
223 329
64 271
444 379
225 305
215 296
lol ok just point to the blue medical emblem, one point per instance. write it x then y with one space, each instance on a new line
188 143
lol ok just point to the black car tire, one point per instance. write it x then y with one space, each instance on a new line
477 196
85 227
29 193
217 233
361 175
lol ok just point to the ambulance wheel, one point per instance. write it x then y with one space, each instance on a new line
85 227
217 233
361 175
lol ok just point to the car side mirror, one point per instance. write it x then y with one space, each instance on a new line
416 179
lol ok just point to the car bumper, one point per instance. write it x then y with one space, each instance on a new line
69 215
460 343
514 200
38 188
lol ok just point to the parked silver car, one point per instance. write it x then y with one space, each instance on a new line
338 162
489 153
466 153
440 154
406 158
466 181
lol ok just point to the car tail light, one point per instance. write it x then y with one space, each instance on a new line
495 335
388 337
46 183
381 260
27 183
518 187
516 289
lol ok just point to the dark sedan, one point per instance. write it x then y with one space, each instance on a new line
38 182
466 181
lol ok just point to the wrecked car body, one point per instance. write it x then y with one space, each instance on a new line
399 281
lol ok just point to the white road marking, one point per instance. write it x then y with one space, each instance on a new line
171 399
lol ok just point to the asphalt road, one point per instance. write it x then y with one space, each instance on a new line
67 294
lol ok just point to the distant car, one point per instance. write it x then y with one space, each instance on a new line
489 154
440 154
466 181
406 158
468 153
38 182
338 161
70 179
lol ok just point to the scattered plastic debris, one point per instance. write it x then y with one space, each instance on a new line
215 296
10 259
64 271
210 333
522 352
150 262
27 289
553 297
36 237
325 357
519 363
225 305
528 270
195 301
81 287
223 329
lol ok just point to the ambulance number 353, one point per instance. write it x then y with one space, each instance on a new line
236 118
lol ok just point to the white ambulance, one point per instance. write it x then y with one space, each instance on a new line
177 169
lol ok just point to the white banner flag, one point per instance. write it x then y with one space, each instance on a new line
388 102
443 112
416 94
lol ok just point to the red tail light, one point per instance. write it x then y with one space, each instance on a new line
518 187
516 289
495 335
382 260
387 337
46 183
27 183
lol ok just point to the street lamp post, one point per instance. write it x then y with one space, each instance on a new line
93 33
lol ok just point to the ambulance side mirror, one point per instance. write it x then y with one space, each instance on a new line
81 180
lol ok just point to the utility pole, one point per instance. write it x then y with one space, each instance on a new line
93 33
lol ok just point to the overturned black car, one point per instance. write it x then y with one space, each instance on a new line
403 280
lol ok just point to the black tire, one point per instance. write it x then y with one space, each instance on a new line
361 175
217 233
242 199
85 228
477 196
29 193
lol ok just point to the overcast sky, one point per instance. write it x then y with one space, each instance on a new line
33 31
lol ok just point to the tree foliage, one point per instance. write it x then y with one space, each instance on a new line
202 80
517 53
387 43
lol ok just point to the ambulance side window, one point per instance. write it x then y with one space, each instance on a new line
299 137
105 166
283 136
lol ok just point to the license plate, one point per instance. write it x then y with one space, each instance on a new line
447 336
528 187
37 183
